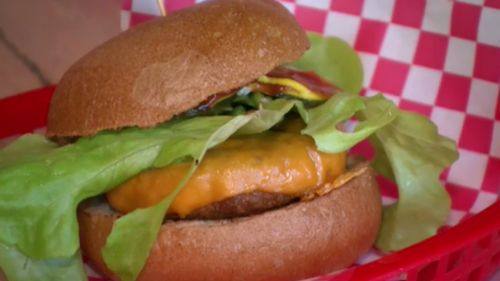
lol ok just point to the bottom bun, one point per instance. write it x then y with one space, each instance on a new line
300 240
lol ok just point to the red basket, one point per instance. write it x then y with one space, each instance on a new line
469 251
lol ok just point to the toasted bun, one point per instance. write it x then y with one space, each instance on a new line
162 68
301 240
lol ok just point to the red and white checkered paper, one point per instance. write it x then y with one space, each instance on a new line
440 58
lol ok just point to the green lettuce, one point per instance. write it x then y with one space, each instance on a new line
324 119
25 149
39 197
17 266
334 60
133 235
409 150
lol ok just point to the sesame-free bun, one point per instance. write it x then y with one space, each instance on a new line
152 72
305 239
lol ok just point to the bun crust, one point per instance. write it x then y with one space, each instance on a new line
150 73
301 240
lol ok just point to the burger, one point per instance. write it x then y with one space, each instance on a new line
196 147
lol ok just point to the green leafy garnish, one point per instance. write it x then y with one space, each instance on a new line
39 197
324 120
25 149
335 61
411 151
17 266
39 215
133 235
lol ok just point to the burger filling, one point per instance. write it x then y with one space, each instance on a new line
273 162
247 174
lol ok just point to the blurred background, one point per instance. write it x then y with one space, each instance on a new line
40 39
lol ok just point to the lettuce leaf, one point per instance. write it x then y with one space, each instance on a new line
133 235
270 114
25 148
334 60
39 195
410 151
324 119
17 266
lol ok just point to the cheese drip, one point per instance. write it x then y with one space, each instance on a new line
278 162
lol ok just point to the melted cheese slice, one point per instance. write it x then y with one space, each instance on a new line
279 162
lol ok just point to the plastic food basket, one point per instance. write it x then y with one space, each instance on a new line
440 58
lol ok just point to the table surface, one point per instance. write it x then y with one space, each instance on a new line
36 48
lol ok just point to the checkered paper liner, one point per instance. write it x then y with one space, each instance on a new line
440 58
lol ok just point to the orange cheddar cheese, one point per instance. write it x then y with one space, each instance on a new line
278 162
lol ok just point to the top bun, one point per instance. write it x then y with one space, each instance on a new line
162 68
